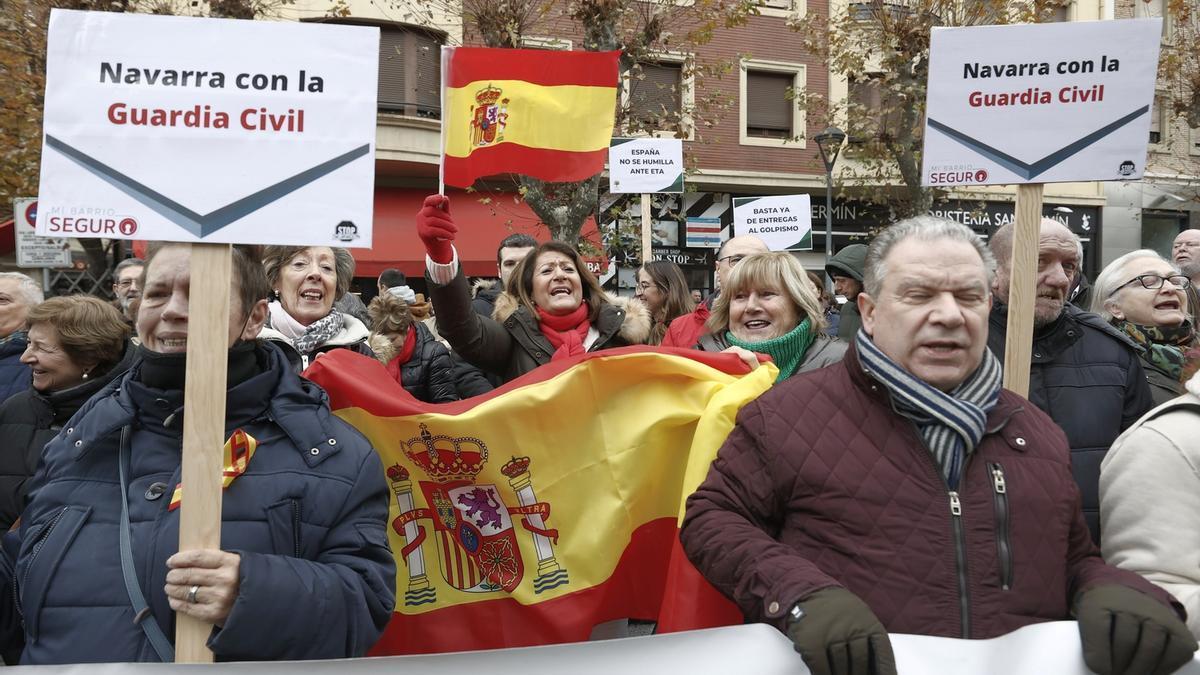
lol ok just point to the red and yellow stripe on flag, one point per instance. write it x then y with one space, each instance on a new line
529 515
542 113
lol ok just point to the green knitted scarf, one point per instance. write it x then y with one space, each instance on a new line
786 350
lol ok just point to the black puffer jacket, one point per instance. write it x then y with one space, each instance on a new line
1089 379
14 375
428 375
28 420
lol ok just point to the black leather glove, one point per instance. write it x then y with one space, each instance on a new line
840 635
1126 631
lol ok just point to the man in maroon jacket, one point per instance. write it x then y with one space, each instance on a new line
904 491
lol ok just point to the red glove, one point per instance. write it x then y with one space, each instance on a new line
436 228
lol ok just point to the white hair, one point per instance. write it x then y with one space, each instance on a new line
1114 276
26 287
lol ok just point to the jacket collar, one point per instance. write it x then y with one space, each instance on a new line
71 399
624 317
1054 338
353 332
276 393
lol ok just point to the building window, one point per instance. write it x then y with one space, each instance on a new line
1195 136
658 96
1060 13
1156 125
410 71
869 100
768 106
1147 9
768 115
658 91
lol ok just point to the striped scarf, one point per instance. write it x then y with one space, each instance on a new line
951 424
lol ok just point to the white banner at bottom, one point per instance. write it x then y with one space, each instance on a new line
755 648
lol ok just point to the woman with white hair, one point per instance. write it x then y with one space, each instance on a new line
1145 297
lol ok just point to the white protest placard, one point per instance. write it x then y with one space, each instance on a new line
645 165
208 130
32 250
1040 103
784 223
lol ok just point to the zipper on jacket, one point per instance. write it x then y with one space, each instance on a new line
1003 544
37 548
296 527
960 558
960 541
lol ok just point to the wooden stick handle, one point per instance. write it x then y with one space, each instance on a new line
1022 290
646 229
203 424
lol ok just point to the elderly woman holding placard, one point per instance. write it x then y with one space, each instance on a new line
304 572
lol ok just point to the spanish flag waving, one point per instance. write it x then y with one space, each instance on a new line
531 514
542 113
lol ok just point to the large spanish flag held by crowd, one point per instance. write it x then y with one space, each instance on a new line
529 515
542 113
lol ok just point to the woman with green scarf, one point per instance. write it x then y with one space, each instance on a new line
1145 298
769 306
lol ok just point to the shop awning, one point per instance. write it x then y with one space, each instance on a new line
481 226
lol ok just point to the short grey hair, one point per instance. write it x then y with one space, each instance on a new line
1114 276
27 287
126 264
924 228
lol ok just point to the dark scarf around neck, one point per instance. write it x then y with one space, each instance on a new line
952 424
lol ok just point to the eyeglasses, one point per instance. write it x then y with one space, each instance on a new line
645 286
125 283
733 259
1153 282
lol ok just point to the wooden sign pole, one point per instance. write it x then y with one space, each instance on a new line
646 226
1022 289
203 424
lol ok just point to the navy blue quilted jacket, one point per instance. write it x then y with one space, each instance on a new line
14 375
1088 378
308 519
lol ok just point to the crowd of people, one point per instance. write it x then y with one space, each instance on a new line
886 483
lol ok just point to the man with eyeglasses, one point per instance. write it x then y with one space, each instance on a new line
127 285
1185 253
686 330
1084 373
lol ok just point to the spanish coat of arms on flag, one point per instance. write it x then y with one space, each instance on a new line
533 513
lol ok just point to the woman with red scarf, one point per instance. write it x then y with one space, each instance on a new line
412 355
552 309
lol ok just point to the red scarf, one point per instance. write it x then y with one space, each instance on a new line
566 332
406 352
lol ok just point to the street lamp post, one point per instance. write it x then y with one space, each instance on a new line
829 142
